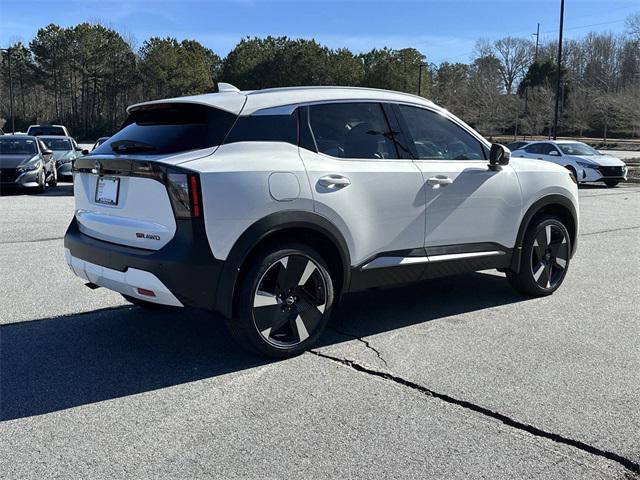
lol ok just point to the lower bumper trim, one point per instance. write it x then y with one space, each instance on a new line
126 283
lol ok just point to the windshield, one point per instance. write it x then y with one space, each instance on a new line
17 146
577 149
57 144
169 128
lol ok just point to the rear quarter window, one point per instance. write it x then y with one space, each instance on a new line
265 128
166 128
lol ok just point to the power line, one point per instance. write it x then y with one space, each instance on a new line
520 34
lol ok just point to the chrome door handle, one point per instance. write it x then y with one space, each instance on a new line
439 180
334 182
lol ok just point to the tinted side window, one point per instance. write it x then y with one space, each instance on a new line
547 148
265 128
435 137
352 130
535 148
169 128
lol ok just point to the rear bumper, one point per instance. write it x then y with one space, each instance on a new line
183 271
127 282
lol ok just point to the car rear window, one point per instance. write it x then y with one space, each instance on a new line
46 131
160 129
57 144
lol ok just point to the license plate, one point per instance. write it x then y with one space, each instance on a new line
107 190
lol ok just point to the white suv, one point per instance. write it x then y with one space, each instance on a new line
268 206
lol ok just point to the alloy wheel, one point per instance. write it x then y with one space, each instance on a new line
549 256
289 301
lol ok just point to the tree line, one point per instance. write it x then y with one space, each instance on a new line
86 75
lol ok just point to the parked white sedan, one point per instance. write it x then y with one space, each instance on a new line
586 163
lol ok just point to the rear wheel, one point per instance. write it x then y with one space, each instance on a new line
611 183
284 302
545 257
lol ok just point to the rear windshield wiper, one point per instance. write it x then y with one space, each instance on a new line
131 146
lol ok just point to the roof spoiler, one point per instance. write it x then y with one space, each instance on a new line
227 87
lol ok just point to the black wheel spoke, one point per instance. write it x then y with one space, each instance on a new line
266 317
543 237
292 268
310 314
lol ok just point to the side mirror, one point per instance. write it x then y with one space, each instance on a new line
554 153
498 156
85 151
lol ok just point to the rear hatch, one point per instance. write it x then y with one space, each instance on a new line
130 190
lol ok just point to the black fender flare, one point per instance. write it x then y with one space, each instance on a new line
553 199
263 228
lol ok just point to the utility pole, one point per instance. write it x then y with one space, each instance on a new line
420 78
555 116
537 35
13 125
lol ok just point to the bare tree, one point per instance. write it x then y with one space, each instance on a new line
515 55
633 26
540 110
580 110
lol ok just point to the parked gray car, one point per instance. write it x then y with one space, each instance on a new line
65 151
26 162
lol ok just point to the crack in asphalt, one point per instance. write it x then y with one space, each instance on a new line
360 339
627 463
608 231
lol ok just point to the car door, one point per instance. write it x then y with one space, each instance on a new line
471 209
360 184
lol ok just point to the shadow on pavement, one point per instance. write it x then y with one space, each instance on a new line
61 190
57 363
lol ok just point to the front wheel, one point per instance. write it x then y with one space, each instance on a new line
42 182
611 183
545 257
53 182
284 301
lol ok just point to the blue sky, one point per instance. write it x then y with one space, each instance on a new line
442 30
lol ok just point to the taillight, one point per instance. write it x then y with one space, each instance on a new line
184 193
195 196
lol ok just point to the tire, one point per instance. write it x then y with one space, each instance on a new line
284 301
147 305
573 171
545 257
611 183
54 179
42 182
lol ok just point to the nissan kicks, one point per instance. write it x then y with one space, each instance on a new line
269 206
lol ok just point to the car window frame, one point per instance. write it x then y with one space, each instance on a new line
411 144
307 117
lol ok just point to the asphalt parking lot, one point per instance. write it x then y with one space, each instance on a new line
455 378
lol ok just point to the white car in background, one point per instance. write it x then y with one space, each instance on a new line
586 163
